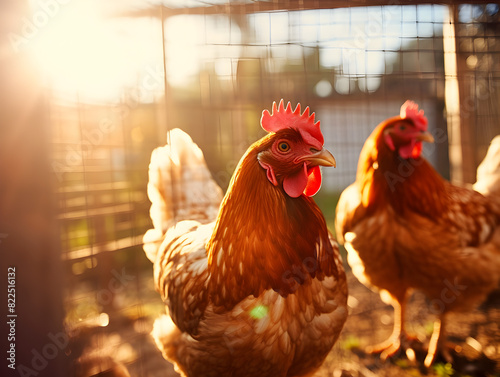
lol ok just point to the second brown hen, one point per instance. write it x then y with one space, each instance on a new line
405 228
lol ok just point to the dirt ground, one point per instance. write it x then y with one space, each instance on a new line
126 343
476 336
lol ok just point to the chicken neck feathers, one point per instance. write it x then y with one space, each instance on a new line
258 220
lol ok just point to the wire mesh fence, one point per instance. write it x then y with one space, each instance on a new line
215 67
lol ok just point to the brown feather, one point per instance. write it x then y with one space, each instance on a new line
260 291
405 227
280 242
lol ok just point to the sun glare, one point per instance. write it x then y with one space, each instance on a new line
81 51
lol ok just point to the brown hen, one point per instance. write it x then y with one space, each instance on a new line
405 228
261 290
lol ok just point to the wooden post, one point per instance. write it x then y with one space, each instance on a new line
32 310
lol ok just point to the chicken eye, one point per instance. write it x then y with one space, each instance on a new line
402 127
283 146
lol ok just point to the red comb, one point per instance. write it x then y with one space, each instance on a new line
282 118
409 110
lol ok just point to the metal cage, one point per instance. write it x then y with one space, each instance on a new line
218 66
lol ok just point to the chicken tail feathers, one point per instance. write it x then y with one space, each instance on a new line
488 172
180 188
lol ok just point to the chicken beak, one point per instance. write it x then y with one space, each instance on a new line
425 136
321 158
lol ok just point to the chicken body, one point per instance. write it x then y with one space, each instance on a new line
260 291
405 228
268 335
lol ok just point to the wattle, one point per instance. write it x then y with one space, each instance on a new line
307 181
411 150
313 182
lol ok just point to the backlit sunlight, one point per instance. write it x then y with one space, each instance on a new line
83 50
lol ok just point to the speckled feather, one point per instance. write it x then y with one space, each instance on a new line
417 230
233 310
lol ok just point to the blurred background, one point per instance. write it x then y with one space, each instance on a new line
89 88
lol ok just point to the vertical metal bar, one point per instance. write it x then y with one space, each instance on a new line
165 127
459 117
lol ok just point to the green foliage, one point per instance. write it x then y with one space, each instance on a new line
444 370
350 342
402 363
327 202
429 328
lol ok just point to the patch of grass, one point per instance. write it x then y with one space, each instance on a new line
350 342
327 202
429 328
402 363
443 370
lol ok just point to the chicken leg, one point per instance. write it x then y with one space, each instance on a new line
391 345
436 343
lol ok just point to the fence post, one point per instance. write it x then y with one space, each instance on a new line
30 257
459 116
